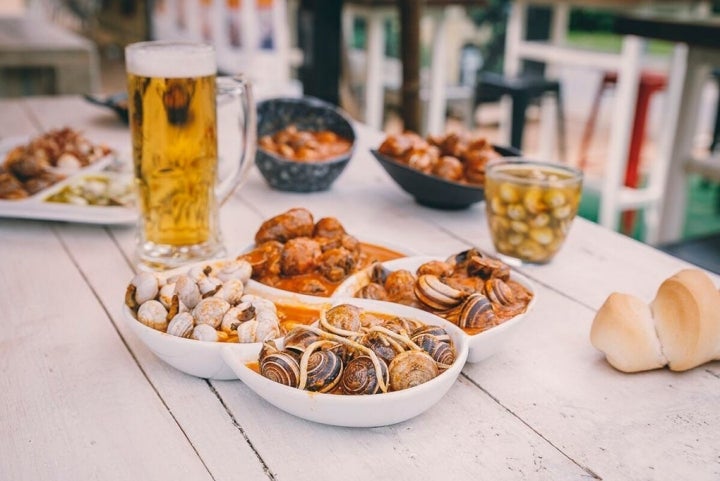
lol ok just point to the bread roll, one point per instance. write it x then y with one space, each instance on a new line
687 319
624 330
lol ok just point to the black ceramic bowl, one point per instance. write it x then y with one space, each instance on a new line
118 103
306 113
433 191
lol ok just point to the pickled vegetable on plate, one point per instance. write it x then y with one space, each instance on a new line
97 189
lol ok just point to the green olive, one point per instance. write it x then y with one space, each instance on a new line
555 198
533 200
540 220
542 235
497 206
516 211
509 193
519 227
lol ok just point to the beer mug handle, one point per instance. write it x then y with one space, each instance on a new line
240 89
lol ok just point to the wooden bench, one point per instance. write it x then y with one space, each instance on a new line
40 58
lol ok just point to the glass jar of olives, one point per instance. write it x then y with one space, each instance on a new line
530 207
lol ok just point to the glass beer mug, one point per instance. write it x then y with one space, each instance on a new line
172 95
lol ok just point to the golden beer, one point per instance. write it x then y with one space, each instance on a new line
172 92
174 138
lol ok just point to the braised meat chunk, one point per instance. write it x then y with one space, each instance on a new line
328 227
400 285
299 256
336 264
11 187
41 181
296 222
450 168
398 145
295 254
265 259
454 157
45 160
305 145
26 165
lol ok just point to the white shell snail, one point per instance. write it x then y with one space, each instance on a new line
153 314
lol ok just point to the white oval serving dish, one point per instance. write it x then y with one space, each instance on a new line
200 358
359 411
482 345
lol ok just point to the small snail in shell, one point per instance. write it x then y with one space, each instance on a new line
143 287
355 352
153 314
207 303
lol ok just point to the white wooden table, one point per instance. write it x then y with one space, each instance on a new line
81 398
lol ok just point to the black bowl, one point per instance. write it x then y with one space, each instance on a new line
432 191
118 103
306 113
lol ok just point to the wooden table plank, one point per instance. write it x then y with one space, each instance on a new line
220 444
466 435
656 425
75 405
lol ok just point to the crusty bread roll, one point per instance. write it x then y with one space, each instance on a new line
680 328
687 319
624 330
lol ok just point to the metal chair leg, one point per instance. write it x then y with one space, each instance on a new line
562 138
519 108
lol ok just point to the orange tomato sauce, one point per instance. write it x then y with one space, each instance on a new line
369 253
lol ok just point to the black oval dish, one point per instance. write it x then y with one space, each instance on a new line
306 113
116 102
433 191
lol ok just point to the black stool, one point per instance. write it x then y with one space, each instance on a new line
702 251
716 128
491 87
715 140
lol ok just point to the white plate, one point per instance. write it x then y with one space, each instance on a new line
359 411
482 345
35 206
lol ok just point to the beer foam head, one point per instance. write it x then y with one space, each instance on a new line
170 59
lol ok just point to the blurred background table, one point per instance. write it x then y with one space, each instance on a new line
38 57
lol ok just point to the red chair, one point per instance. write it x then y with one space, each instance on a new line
650 83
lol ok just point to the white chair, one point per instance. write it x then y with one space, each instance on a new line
380 76
250 37
615 197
